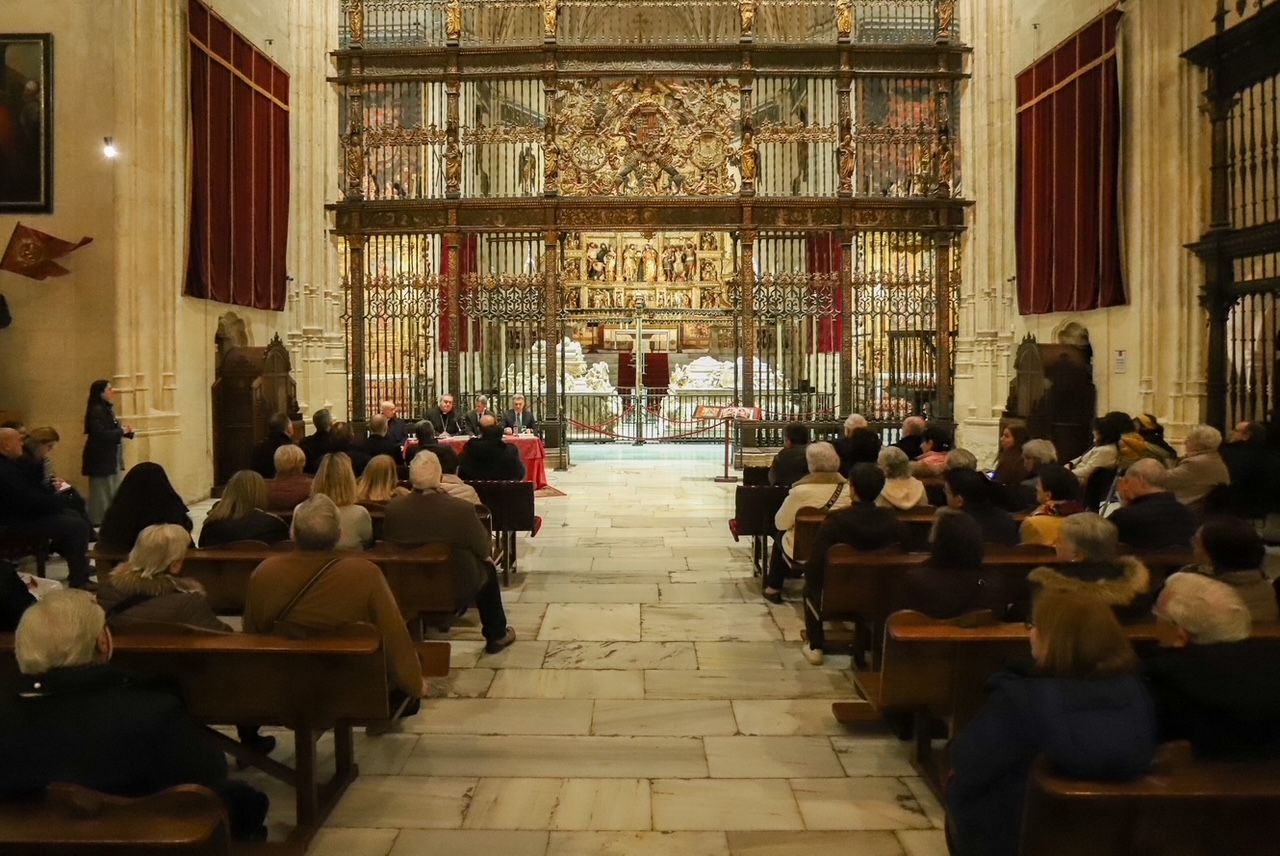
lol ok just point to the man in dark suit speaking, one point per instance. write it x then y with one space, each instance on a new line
445 419
519 420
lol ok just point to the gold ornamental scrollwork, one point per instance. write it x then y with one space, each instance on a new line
870 133
428 136
773 132
506 133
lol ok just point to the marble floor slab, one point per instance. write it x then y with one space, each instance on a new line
404 802
923 842
870 803
664 718
771 757
621 655
567 684
714 592
599 593
637 844
513 804
718 622
591 622
784 717
814 844
748 684
502 716
558 757
724 804
603 804
335 841
468 842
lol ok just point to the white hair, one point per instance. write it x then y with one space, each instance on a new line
853 422
482 399
425 472
822 458
387 405
961 459
1149 470
1093 538
1203 438
59 631
378 425
157 548
894 462
1209 610
1040 450
316 525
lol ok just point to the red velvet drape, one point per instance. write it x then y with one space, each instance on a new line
469 255
826 256
240 168
1068 175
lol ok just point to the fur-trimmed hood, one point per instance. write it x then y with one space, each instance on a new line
129 582
903 494
821 478
1116 584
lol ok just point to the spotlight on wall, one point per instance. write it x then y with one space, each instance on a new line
109 150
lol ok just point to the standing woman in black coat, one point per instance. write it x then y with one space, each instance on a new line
103 451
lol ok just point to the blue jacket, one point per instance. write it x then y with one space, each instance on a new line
1103 730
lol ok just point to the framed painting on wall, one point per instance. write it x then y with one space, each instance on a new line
26 123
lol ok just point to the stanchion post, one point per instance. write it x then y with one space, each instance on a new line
728 442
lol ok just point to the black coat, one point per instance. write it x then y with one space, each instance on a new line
103 435
863 526
1224 698
789 466
472 421
1154 521
451 423
98 727
263 461
315 447
519 422
359 457
998 525
941 592
256 526
490 460
911 445
397 432
1101 730
375 446
24 495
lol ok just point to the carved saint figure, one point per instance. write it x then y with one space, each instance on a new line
844 18
357 24
452 165
650 259
630 263
528 171
747 10
551 166
946 19
846 163
549 19
748 159
453 20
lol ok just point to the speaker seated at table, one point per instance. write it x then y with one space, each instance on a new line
519 420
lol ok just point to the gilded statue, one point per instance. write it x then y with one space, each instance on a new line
549 9
946 168
357 23
453 20
946 19
551 166
846 163
844 18
748 162
452 166
747 10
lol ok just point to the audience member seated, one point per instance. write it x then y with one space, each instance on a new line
449 481
1082 705
1231 550
842 444
1146 440
342 439
953 582
1254 468
147 586
423 439
1200 470
279 435
380 482
380 443
860 447
316 446
864 526
935 443
1035 454
972 493
146 498
789 465
310 591
431 516
291 485
336 481
241 514
822 488
397 430
1150 517
1104 453
488 457
15 597
29 505
1211 684
40 443
1010 466
902 490
912 438
1090 547
83 721
1058 492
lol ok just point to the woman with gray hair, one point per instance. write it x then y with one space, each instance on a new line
823 488
1200 470
1089 545
148 587
901 489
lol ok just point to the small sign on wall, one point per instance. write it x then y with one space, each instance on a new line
1122 361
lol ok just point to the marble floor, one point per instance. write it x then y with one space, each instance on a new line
654 703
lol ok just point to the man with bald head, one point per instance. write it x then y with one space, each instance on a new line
489 458
1151 516
28 505
912 436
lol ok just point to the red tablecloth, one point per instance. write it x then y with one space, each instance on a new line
532 452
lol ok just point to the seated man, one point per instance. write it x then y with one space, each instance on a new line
445 419
1231 550
397 430
343 439
1151 517
972 493
449 481
790 464
864 526
313 591
431 516
82 720
477 415
1088 545
279 433
1214 686
518 420
912 436
380 442
823 488
1200 470
28 505
490 458
316 445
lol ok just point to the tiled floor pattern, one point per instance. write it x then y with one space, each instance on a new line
653 705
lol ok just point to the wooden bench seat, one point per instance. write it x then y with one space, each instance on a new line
1184 807
308 686
754 510
511 507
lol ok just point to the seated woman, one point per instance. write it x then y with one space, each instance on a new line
336 480
953 582
970 492
823 488
1082 705
1010 468
1231 550
901 489
40 444
1105 451
147 585
241 514
1146 440
1058 493
932 462
1089 545
146 498
380 482
291 485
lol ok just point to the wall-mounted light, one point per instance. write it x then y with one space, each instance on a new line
109 150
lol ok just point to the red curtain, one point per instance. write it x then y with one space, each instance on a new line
1068 175
826 256
240 168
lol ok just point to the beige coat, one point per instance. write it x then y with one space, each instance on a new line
903 494
813 491
1195 475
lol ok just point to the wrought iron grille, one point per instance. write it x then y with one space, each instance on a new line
1252 331
1254 161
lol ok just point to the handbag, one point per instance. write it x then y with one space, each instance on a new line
835 496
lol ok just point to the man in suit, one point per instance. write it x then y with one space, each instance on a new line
478 413
317 445
379 441
397 428
488 457
1151 518
518 420
445 419
279 433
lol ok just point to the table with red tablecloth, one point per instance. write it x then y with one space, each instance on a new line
532 452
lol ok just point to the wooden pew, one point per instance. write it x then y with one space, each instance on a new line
808 521
308 686
754 509
1184 807
68 820
511 505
